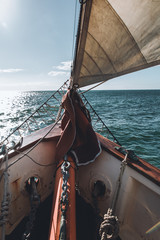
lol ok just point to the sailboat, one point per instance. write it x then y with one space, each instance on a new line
66 181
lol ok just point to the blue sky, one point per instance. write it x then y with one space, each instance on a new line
36 40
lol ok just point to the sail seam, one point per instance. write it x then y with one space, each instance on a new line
86 69
108 58
93 61
127 30
114 75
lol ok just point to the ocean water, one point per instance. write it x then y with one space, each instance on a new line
133 116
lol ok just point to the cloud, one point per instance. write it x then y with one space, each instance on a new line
58 73
11 70
63 69
65 66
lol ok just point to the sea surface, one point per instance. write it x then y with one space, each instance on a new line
133 116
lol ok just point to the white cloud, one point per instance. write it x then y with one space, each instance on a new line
11 70
65 66
58 73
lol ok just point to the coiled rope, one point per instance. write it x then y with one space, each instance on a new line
109 228
5 201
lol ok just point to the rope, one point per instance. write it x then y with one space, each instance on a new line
109 228
74 28
5 201
39 164
82 2
94 86
99 119
119 182
4 210
26 154
34 204
33 115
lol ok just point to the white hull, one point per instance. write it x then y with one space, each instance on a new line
138 202
137 206
21 171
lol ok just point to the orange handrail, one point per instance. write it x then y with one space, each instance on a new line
71 208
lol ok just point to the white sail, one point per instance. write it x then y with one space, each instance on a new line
116 37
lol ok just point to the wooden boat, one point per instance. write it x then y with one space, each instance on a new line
97 185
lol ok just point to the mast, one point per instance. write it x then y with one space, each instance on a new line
115 38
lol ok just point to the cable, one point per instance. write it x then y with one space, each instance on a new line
42 165
40 140
36 111
82 2
74 27
94 86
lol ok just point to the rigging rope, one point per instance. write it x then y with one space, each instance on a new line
34 204
99 119
109 228
60 91
40 140
97 85
39 164
59 115
119 182
82 1
36 113
74 29
5 201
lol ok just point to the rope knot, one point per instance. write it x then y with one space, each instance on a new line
4 210
109 228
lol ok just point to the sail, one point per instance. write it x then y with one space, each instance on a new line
116 37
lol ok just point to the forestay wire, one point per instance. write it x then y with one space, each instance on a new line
44 115
97 123
50 113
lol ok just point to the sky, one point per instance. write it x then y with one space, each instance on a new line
36 47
